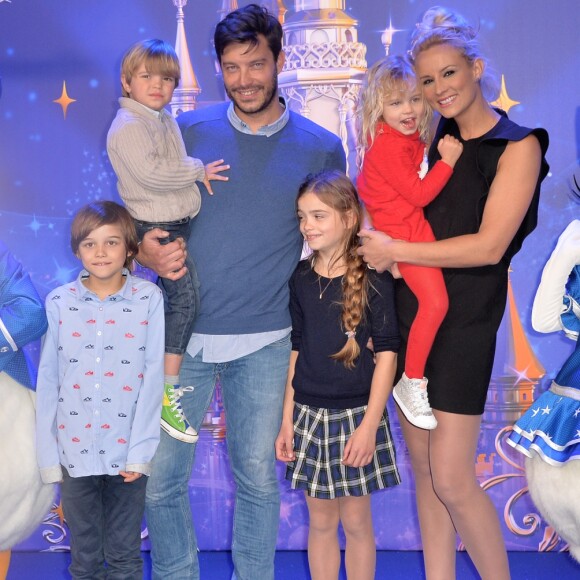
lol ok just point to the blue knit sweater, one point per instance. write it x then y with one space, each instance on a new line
245 241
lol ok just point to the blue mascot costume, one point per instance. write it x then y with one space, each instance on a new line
549 432
24 499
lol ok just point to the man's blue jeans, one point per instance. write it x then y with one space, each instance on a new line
253 392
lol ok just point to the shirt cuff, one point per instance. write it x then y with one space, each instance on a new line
144 468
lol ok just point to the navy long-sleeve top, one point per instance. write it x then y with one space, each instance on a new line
317 333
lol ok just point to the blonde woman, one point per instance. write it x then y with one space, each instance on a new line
480 220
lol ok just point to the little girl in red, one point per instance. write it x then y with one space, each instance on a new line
395 186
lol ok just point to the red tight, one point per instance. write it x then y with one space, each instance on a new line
429 288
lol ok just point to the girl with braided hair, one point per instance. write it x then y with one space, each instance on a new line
335 433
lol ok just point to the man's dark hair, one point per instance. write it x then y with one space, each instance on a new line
244 25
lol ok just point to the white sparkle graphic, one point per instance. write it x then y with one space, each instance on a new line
520 375
62 275
34 225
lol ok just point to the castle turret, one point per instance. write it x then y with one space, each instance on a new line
281 11
185 95
227 7
325 66
387 37
512 392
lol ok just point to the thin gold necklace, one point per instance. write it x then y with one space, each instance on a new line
329 270
322 291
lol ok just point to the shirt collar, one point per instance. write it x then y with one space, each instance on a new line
83 293
266 130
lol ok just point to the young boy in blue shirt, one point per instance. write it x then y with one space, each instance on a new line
100 384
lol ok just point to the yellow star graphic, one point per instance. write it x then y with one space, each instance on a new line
58 511
64 100
504 102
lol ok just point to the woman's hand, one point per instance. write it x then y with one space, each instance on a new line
376 249
166 260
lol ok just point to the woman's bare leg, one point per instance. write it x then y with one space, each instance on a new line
453 446
437 531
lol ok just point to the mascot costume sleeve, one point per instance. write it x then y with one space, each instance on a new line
24 499
549 432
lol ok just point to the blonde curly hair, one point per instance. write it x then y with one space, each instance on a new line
389 75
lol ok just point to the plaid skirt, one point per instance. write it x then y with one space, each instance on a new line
320 436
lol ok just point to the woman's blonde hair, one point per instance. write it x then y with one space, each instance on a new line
442 26
159 58
337 191
387 76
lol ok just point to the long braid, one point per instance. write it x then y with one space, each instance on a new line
336 190
354 302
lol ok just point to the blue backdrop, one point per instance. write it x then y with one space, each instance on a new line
51 165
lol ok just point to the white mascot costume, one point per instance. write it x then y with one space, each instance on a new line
24 499
549 432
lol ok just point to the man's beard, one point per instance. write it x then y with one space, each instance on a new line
270 93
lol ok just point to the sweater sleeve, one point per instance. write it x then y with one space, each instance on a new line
382 312
133 151
393 161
